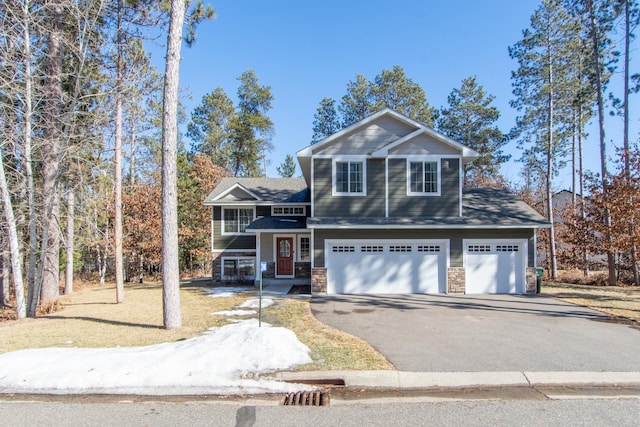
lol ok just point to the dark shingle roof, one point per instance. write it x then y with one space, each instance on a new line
277 190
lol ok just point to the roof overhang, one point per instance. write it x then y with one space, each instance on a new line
426 227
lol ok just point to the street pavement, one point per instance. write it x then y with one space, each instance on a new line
484 333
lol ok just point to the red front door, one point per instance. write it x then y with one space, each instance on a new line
284 247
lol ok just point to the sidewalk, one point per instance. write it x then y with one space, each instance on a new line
424 380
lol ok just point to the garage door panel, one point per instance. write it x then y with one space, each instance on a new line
492 267
380 267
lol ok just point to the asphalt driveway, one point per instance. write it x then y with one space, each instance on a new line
470 333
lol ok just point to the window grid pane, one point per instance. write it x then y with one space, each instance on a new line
304 249
246 216
342 177
417 183
230 220
355 177
431 177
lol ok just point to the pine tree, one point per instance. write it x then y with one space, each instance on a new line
357 104
288 168
251 128
325 120
209 126
540 85
470 119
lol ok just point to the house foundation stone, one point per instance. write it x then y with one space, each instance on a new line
318 280
456 280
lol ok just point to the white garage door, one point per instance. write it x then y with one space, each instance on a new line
495 267
384 267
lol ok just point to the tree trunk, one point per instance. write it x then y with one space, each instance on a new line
132 160
583 213
611 262
27 129
549 188
625 97
170 273
68 283
118 165
5 276
49 280
14 244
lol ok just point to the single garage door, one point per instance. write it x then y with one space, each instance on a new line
495 267
386 267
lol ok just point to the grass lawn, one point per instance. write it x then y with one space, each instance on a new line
91 318
618 301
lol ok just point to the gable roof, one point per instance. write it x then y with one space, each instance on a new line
261 190
419 129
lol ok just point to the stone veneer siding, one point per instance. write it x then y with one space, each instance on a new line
531 280
318 280
216 263
456 280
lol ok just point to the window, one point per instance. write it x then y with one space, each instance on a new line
236 220
428 248
371 249
349 177
399 248
507 248
423 178
304 253
479 248
343 249
288 211
239 269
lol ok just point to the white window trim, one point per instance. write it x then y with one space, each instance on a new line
304 210
300 237
350 159
235 233
237 258
294 255
423 159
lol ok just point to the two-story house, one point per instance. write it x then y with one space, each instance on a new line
381 209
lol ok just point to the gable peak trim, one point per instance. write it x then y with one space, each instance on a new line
308 151
239 186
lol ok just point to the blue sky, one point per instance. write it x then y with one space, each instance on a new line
306 50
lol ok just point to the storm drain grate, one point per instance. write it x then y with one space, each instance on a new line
307 398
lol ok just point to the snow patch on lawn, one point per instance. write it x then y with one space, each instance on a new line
225 360
255 303
234 313
226 291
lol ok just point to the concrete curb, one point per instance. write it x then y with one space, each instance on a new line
416 380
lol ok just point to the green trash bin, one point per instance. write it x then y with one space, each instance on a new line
539 274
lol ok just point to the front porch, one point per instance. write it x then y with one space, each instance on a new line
283 250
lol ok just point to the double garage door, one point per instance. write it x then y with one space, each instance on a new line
420 266
384 266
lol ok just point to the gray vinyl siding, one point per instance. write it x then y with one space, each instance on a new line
447 204
455 238
371 138
221 242
371 205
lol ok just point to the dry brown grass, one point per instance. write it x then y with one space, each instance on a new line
91 318
618 301
331 349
